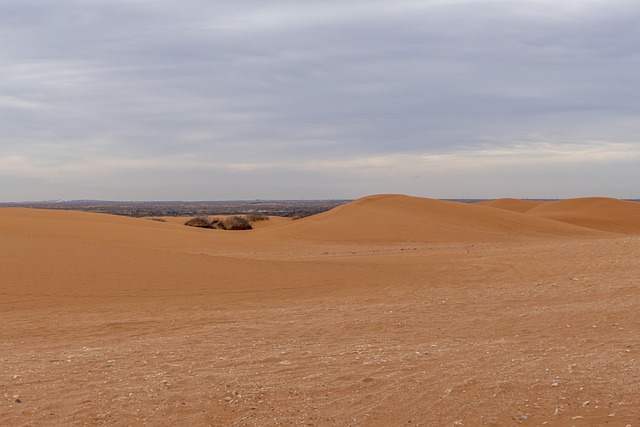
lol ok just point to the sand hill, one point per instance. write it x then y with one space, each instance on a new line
618 216
598 213
516 205
397 218
390 310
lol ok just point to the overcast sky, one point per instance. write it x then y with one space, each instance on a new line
217 100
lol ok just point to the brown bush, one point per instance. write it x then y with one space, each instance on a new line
235 223
257 217
229 223
200 221
154 218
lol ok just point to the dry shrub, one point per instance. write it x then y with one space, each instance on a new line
200 221
229 223
155 218
235 223
257 217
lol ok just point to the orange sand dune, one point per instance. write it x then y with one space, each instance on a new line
120 232
516 205
380 312
398 218
600 213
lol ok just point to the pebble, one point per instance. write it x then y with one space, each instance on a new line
555 384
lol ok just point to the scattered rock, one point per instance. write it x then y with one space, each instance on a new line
18 401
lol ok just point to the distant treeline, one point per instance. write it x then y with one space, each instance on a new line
286 208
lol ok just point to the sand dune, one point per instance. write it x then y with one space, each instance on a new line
516 205
125 232
397 218
381 312
600 213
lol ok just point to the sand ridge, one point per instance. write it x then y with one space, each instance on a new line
391 310
399 218
516 205
600 213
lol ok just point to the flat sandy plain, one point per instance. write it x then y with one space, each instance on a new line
387 311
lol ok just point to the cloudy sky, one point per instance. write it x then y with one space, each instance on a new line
217 100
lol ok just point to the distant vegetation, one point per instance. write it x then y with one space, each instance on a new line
200 221
154 218
257 217
234 222
258 208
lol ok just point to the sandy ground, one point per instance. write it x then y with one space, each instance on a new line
387 311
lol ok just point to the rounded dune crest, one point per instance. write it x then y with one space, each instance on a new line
516 205
600 213
400 218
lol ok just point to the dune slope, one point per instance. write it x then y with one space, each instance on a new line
398 218
600 213
516 205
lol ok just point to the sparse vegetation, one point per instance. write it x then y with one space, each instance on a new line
254 217
199 221
229 223
216 223
153 218
236 223
287 208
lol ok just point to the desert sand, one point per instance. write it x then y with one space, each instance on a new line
388 311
